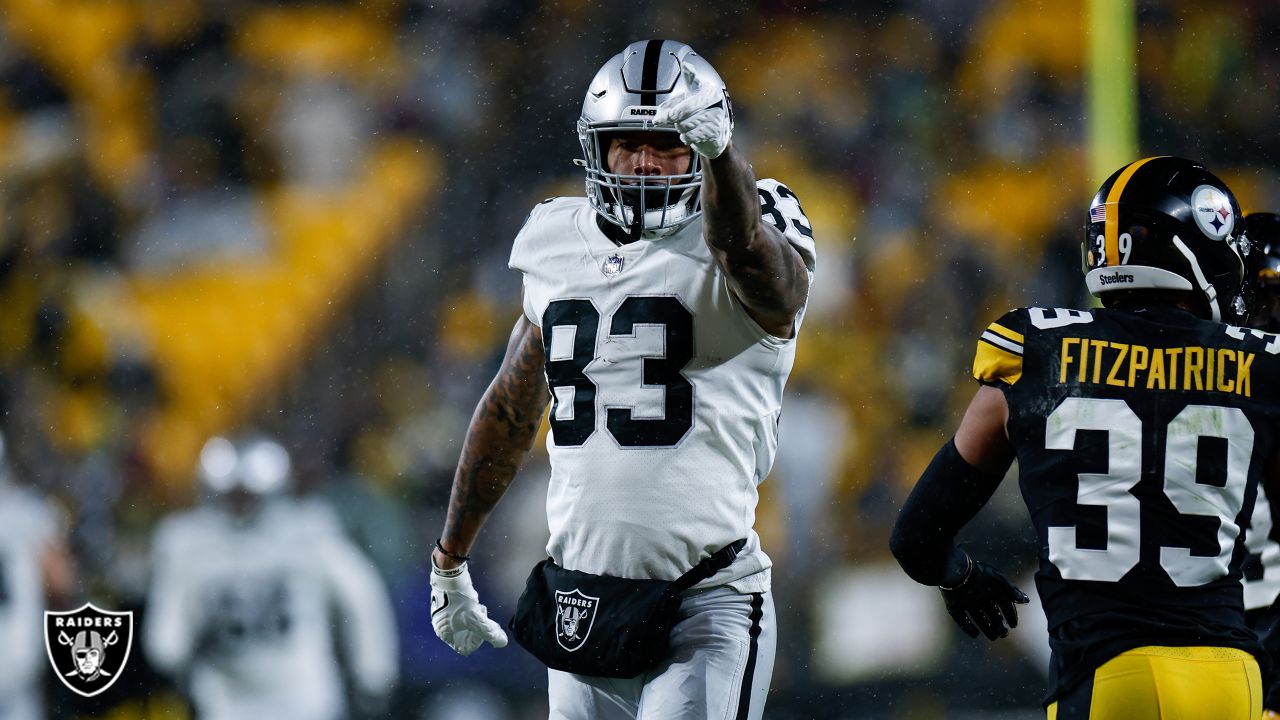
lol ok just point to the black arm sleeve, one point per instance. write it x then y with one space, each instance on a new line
948 495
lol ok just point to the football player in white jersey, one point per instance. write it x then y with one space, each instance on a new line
660 321
243 592
35 564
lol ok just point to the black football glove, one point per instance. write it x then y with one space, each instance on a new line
984 601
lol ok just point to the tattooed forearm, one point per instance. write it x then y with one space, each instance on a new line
766 272
501 434
729 201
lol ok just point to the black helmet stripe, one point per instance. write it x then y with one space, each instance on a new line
1112 247
649 75
624 96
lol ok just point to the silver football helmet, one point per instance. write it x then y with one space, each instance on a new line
257 465
624 96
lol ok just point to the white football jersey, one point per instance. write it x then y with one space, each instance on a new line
665 393
245 610
27 525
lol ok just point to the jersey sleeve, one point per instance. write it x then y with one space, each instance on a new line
168 632
524 254
780 207
998 358
368 627
524 248
42 523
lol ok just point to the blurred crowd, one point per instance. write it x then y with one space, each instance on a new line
295 216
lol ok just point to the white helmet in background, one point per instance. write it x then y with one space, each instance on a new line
255 465
624 96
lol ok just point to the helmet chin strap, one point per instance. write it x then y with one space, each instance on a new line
632 228
1210 292
635 229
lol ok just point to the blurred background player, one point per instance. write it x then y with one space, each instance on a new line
1142 430
36 572
246 591
661 312
1262 539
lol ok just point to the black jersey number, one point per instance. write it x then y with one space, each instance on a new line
1219 497
567 371
769 208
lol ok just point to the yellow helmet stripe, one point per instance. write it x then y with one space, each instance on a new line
1113 213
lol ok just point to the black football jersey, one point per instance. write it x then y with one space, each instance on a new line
1141 437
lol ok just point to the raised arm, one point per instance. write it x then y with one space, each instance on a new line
766 273
501 434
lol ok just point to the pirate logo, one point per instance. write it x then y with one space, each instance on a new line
88 647
575 613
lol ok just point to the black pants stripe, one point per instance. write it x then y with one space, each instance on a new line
744 697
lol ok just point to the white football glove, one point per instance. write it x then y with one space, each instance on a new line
457 615
702 127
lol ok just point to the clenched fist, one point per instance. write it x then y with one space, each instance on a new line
700 113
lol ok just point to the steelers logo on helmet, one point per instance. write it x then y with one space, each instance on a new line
1212 211
1173 228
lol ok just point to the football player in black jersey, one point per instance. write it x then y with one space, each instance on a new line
1262 539
1141 431
1263 231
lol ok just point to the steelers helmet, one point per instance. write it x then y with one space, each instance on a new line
1262 229
1167 223
624 96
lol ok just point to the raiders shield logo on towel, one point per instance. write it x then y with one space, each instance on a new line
574 614
88 647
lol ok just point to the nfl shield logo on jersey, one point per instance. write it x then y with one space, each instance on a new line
612 265
88 647
574 614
